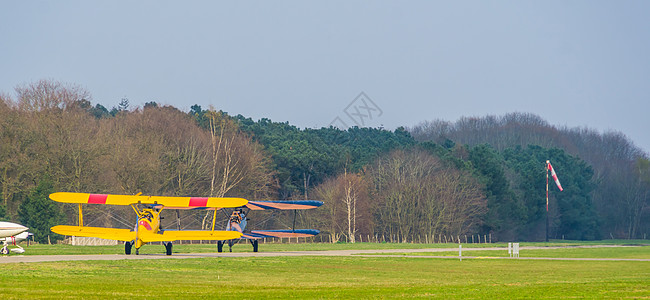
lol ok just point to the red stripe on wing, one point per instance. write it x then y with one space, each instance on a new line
97 199
198 201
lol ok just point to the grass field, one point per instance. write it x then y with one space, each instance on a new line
330 277
326 277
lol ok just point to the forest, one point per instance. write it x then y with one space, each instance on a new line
479 175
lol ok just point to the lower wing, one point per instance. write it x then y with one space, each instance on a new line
259 234
98 232
175 235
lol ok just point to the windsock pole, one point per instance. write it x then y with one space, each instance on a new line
547 163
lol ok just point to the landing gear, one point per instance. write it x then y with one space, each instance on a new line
230 243
255 244
220 246
4 250
137 251
168 248
127 248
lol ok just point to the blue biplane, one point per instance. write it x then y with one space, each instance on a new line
238 221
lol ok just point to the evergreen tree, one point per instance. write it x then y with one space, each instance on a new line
39 213
306 157
504 211
572 213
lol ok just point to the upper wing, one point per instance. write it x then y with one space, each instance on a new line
258 234
296 204
174 235
193 202
98 232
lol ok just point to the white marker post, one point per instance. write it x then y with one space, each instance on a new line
515 250
510 249
460 252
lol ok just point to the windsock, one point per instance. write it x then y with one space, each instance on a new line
557 181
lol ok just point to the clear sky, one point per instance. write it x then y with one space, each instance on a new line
574 63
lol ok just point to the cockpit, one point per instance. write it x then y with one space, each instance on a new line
236 216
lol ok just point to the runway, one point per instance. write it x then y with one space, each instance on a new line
351 253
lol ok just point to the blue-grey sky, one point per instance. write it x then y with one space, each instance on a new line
574 63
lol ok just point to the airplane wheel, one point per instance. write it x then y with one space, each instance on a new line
255 246
230 243
4 250
137 251
127 248
168 247
220 246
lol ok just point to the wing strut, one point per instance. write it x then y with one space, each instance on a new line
178 219
293 229
81 216
214 219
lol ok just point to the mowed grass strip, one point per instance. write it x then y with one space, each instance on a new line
633 252
326 277
244 246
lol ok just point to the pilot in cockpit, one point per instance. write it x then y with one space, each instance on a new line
236 217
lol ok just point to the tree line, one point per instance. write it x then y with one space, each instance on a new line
429 180
52 140
621 175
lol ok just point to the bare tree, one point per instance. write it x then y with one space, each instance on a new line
417 194
347 207
238 163
13 158
48 95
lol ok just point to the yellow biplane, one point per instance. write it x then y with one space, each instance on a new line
147 228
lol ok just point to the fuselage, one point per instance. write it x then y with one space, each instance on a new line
8 229
15 239
148 223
